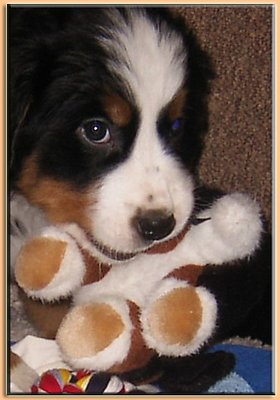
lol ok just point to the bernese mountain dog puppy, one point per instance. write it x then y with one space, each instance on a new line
107 111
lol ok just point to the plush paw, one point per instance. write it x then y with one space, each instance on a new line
95 336
180 319
104 337
49 266
176 317
38 262
236 218
89 329
231 230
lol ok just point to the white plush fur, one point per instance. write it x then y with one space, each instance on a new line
237 224
233 231
208 323
215 241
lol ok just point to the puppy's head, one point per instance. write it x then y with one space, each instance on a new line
103 124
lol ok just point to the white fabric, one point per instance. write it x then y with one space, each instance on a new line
40 354
44 354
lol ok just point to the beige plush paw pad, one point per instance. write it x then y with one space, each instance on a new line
89 329
38 262
176 317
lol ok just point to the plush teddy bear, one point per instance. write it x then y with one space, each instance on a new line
128 308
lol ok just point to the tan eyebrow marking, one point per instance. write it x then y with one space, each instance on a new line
118 109
175 107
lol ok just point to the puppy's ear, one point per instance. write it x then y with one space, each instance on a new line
31 36
32 33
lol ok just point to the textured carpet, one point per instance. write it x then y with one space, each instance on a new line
238 147
19 326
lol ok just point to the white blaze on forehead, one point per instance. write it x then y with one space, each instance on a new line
151 64
150 59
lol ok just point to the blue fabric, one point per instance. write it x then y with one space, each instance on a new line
252 373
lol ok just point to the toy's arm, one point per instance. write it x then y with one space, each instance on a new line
50 266
230 236
241 286
230 230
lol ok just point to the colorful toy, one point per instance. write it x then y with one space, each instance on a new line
128 308
64 381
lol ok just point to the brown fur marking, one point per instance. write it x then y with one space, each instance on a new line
176 317
175 108
188 273
118 110
59 200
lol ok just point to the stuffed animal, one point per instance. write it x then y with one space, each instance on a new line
134 306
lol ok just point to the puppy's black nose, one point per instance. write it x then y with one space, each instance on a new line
154 224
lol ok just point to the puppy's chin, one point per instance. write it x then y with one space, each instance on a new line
113 255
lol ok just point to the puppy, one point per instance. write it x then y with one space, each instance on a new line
106 117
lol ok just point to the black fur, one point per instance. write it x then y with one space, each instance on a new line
58 73
243 288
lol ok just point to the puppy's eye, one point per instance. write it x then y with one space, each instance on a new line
176 125
96 130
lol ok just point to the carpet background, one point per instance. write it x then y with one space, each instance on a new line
238 146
